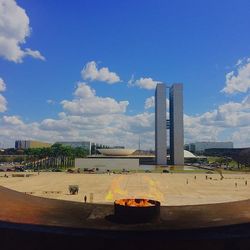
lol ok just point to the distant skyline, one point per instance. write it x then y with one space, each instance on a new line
86 70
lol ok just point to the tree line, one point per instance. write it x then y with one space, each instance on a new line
240 155
57 156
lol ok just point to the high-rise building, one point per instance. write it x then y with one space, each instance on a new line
175 124
160 125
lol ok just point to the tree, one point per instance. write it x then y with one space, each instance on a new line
244 156
56 156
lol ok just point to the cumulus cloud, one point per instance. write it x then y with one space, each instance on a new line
231 114
229 119
110 129
14 29
12 120
3 102
195 130
143 83
150 103
92 73
2 85
88 116
86 102
120 128
84 91
240 136
238 80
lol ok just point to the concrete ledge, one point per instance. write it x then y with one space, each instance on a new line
27 220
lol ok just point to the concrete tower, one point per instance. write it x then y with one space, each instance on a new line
160 125
176 124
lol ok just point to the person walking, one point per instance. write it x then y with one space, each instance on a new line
85 198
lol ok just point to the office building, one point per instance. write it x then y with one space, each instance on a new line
26 144
200 147
160 125
175 124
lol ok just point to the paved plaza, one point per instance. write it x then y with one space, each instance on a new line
169 189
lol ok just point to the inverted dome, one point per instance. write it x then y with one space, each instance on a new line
116 151
188 154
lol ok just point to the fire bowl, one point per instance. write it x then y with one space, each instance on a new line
136 210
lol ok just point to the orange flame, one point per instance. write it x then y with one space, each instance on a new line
134 202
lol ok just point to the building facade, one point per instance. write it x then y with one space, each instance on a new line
26 144
77 144
160 125
175 124
90 146
200 147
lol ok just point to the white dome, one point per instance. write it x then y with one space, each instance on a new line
188 154
116 151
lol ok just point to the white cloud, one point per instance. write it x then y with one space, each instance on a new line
2 85
12 120
86 102
122 129
92 73
239 80
35 54
150 103
143 83
14 29
241 138
86 117
84 91
104 120
52 102
3 103
231 114
230 119
194 130
110 129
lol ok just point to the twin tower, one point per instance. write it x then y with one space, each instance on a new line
174 123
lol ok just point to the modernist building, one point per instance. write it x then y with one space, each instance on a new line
160 125
25 144
175 124
90 146
200 147
77 144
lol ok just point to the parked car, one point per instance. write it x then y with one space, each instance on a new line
10 170
165 171
56 170
19 169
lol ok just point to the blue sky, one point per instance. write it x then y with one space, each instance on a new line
194 42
